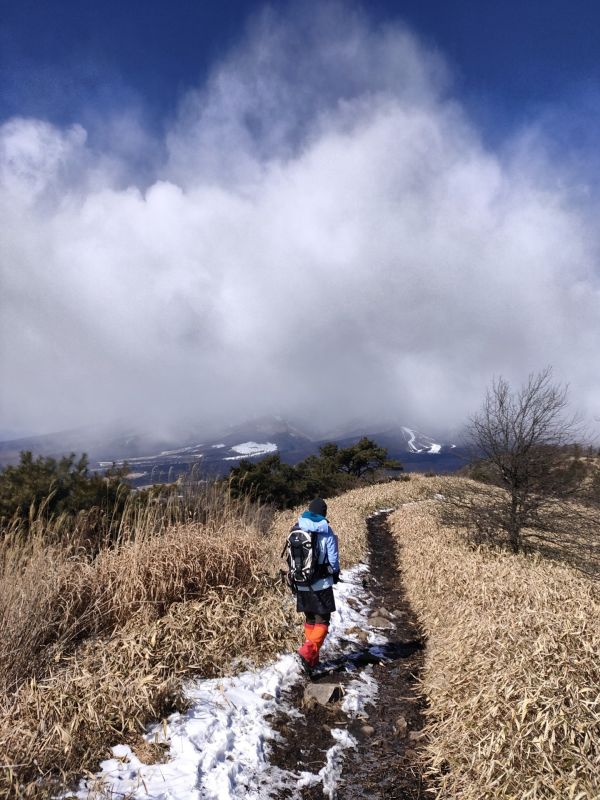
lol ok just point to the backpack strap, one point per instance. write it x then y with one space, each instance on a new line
295 527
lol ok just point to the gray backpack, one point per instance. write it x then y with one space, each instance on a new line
302 555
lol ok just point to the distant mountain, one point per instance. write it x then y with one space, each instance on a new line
157 459
417 451
100 442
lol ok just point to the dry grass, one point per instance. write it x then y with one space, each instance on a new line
567 531
92 649
512 666
53 593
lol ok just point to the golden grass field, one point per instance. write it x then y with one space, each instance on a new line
91 650
512 671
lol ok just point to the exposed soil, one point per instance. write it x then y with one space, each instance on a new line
387 762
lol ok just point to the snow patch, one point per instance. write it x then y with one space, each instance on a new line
179 451
350 616
217 748
419 443
331 773
360 693
251 449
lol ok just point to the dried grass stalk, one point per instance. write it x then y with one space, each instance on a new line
512 668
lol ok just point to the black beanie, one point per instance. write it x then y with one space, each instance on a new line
318 506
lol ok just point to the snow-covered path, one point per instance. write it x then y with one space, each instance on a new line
219 749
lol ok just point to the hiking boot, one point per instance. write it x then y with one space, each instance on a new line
304 663
309 653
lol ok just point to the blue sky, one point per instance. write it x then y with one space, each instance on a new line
60 58
179 182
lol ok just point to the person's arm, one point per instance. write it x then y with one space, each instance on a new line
333 555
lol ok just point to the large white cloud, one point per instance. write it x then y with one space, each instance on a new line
326 237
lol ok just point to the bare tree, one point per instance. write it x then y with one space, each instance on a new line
519 437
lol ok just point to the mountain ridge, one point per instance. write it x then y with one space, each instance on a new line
158 458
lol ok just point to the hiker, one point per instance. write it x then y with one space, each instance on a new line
316 601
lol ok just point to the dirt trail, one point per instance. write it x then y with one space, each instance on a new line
387 762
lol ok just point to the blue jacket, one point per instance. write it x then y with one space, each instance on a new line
327 542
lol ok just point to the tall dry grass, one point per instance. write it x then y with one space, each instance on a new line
92 647
512 668
54 591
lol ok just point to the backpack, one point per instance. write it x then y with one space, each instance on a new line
301 552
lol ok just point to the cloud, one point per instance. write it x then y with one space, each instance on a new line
324 236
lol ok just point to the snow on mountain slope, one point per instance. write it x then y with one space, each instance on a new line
246 449
419 443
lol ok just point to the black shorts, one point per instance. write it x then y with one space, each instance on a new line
320 602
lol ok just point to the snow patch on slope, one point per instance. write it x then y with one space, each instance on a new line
251 449
419 443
